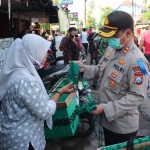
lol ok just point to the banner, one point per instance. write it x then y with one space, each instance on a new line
73 16
62 2
63 21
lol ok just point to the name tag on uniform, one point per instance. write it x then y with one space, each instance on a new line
119 68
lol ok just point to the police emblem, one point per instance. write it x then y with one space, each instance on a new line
108 54
114 74
106 22
138 78
121 61
112 83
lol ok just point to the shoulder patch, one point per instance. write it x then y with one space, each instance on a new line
138 78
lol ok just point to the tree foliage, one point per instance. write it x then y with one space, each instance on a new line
146 15
144 1
90 21
45 26
104 12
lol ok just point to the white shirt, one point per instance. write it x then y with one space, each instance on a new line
84 36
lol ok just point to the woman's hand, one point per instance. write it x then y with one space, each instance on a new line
98 110
67 89
81 65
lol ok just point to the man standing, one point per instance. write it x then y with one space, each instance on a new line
84 37
71 45
146 44
90 30
90 40
123 76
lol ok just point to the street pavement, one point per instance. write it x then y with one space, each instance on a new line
91 142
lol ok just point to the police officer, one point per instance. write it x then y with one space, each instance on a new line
123 75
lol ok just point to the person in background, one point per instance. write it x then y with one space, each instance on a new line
71 45
123 76
99 47
90 40
90 30
143 30
25 104
84 36
138 35
145 42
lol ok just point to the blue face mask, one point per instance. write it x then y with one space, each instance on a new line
115 42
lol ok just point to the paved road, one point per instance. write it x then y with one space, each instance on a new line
91 142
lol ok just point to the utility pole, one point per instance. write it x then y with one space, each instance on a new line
84 22
132 8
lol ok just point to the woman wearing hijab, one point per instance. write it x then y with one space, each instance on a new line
24 101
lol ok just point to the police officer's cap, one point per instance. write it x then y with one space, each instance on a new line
116 21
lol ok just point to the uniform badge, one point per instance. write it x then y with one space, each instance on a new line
137 68
121 61
102 65
112 83
106 22
114 74
126 50
108 54
138 78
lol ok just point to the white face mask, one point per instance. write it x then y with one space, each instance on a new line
36 63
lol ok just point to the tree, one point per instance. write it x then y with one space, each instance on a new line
148 13
144 1
144 18
104 12
91 21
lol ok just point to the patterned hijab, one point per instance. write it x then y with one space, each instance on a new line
18 62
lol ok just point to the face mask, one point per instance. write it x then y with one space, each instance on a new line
93 31
36 63
115 42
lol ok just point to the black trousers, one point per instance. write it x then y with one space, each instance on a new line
147 57
85 47
115 138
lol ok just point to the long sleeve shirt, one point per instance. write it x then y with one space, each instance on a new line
23 111
69 47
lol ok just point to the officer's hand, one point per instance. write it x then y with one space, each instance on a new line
98 110
81 65
67 89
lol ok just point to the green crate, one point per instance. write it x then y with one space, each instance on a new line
65 121
145 141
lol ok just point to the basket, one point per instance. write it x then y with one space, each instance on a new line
139 144
65 121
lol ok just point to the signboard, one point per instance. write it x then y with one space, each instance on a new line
41 20
73 16
63 21
62 2
4 46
